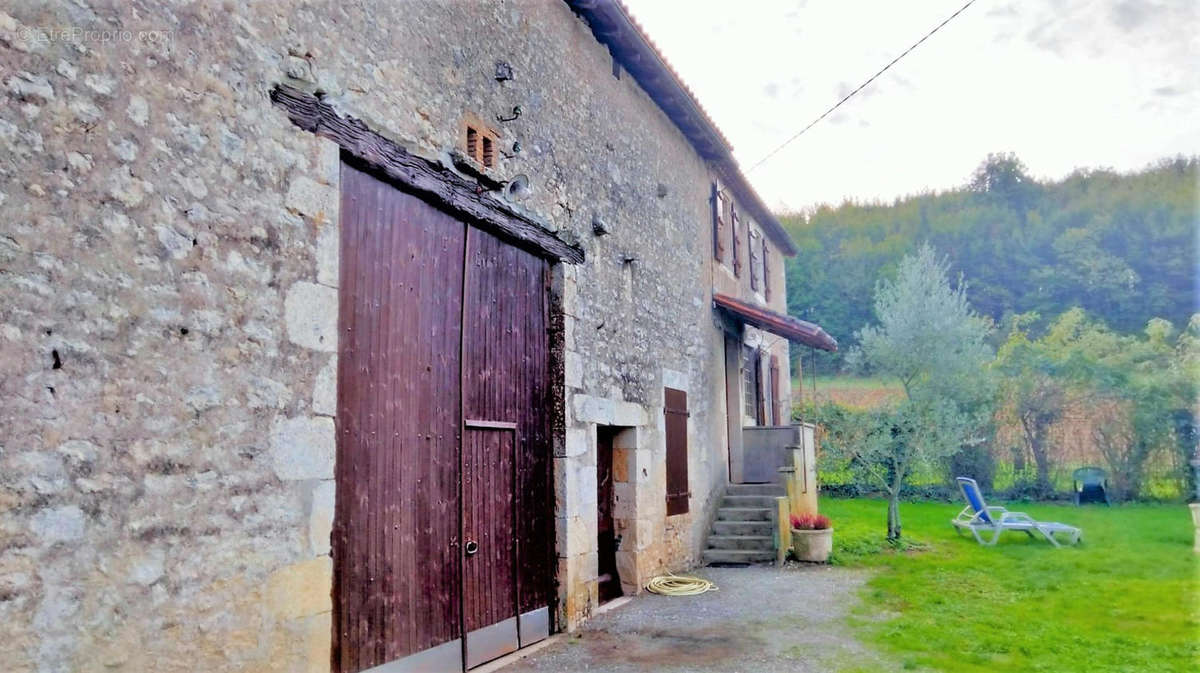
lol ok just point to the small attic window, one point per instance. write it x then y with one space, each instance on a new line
479 142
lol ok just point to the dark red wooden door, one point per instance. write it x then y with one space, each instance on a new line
395 546
490 563
442 437
505 352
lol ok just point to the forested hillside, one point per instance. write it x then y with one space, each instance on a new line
1120 246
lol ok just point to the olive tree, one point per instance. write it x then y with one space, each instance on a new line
930 340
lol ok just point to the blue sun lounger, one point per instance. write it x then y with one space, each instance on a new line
987 523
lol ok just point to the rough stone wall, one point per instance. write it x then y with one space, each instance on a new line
164 342
168 271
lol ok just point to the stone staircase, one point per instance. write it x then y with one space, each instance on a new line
742 531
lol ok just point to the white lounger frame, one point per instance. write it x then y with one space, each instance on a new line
1002 520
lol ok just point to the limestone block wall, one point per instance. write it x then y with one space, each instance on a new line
168 301
168 328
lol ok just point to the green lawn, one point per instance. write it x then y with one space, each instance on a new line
1126 599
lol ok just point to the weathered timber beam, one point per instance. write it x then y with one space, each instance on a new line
420 176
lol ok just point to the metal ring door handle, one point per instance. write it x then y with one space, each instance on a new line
472 547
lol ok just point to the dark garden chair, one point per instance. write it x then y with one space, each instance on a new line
1090 485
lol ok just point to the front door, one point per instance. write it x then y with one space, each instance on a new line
442 543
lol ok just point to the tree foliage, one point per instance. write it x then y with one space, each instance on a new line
1147 382
1152 377
1032 391
1122 247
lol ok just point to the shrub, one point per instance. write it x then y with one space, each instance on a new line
810 522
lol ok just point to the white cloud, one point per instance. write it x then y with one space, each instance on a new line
1064 84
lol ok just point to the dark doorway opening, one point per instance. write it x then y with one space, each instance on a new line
607 540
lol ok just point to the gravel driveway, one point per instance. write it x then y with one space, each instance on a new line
761 619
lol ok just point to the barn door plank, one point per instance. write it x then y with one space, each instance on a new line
396 522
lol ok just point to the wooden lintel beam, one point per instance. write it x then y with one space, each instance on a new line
420 176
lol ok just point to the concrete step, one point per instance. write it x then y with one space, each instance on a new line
743 514
748 542
742 528
764 501
755 489
712 556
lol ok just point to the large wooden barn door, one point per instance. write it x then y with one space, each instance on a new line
442 525
504 359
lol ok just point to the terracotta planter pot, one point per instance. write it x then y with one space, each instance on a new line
812 545
1195 507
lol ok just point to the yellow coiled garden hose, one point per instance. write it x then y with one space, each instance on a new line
679 585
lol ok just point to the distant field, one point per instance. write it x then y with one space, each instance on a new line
851 391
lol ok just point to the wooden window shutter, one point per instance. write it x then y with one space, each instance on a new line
737 243
676 412
766 271
718 213
776 400
754 260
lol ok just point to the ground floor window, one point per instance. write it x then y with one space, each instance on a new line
752 385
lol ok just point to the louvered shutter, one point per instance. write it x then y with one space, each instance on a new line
676 412
766 269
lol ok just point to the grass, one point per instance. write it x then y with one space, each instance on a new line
1126 599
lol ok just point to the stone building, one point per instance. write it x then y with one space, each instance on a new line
332 332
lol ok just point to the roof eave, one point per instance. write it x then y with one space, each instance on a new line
793 329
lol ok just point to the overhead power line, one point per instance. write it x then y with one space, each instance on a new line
861 86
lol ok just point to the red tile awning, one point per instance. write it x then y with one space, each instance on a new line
785 326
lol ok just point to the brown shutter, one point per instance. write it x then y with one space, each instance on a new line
737 242
754 261
766 268
776 401
675 410
718 210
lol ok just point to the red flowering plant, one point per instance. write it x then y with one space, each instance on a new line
810 522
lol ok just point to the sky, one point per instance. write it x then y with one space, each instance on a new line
1063 84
